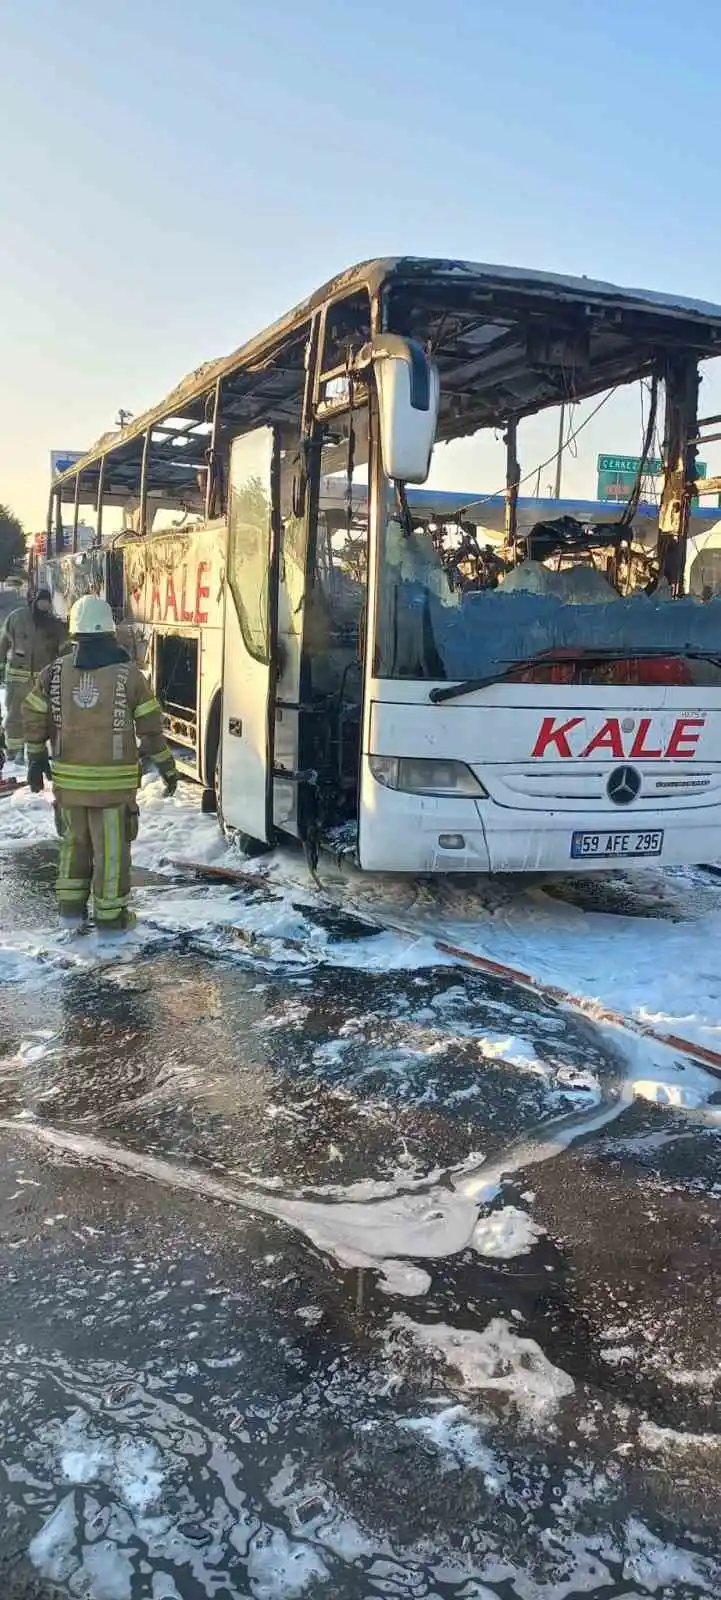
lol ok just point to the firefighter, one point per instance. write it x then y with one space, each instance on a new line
31 638
94 708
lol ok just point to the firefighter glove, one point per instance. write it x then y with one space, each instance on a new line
38 768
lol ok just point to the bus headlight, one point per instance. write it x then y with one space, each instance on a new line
416 776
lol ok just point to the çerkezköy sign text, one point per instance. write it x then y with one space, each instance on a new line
617 474
622 466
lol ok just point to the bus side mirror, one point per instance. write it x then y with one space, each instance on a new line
408 401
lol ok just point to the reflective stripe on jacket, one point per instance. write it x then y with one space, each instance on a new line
27 647
97 723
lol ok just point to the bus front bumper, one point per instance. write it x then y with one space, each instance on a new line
423 834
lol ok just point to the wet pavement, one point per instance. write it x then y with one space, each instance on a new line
215 1381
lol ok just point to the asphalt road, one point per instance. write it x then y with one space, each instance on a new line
199 1399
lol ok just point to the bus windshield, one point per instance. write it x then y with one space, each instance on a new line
450 609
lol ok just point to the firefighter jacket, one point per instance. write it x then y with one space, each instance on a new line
26 646
97 712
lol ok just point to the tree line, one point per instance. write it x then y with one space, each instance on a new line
12 544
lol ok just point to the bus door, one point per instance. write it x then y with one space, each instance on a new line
250 636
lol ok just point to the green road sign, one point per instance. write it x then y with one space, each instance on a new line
617 474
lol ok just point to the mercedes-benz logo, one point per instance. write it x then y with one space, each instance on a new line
623 785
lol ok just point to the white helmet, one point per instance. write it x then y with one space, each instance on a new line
90 614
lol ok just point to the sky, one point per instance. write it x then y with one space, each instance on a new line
176 176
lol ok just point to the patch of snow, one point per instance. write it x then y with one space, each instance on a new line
498 1360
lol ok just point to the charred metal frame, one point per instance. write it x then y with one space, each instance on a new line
76 512
507 343
49 522
681 379
210 482
513 479
59 534
99 503
143 495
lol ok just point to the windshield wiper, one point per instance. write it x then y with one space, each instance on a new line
558 658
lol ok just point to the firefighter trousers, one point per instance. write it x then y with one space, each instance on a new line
17 686
95 853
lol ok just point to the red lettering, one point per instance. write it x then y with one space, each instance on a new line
639 750
607 738
154 600
185 616
170 599
201 593
549 734
680 737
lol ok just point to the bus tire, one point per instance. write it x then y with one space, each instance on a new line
227 832
209 801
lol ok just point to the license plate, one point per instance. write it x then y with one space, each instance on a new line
604 846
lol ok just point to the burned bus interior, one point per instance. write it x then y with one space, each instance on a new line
507 343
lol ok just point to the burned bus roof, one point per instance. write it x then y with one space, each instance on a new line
508 341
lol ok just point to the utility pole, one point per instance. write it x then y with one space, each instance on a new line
559 453
123 417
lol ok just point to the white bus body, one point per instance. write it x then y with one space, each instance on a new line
167 596
543 759
361 689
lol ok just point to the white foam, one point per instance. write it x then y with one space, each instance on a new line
281 1569
668 977
52 1549
517 1052
459 1443
26 819
399 1277
82 1466
505 1234
657 1565
498 1360
669 1440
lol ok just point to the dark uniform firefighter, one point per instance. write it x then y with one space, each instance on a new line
94 708
31 638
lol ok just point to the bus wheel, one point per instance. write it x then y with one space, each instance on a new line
218 800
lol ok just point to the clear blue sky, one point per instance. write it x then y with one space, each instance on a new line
175 176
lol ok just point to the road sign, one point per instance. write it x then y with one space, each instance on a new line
60 460
617 474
